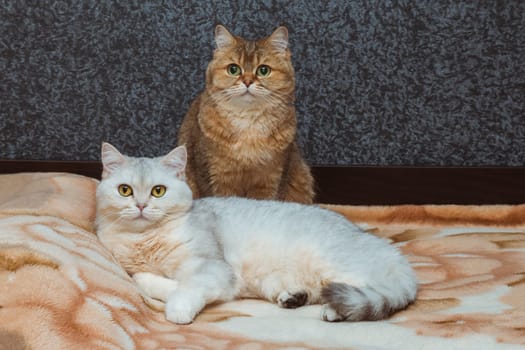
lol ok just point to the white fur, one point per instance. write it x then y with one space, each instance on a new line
236 247
277 238
155 286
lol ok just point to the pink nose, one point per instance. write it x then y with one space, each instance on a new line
248 82
141 206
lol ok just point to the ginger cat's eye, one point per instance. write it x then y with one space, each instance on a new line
125 190
263 70
234 70
158 191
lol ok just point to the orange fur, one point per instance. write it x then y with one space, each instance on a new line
151 251
245 146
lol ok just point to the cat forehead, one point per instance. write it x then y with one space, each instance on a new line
247 50
143 171
251 47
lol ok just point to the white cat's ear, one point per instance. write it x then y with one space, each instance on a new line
176 160
111 159
223 37
279 39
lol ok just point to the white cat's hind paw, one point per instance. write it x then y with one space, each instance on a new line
329 314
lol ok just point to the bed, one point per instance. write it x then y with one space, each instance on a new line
61 289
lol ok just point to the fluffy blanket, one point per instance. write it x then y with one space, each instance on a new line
60 289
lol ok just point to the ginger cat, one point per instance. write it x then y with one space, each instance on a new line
240 131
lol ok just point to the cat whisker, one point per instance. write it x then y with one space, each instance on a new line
226 95
278 100
111 223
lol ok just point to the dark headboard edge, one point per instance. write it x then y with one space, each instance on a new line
368 185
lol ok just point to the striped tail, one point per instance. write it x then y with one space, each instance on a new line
347 303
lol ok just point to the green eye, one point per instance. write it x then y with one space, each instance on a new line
125 190
263 70
234 70
158 191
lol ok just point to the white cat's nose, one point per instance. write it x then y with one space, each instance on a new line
141 206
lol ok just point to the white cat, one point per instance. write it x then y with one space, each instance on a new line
189 253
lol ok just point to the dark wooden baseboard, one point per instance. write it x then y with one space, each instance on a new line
420 185
86 168
369 185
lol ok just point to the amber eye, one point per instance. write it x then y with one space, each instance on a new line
263 70
125 190
158 191
234 70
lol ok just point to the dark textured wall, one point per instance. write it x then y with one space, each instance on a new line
378 82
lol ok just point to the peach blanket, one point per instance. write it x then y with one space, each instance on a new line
60 289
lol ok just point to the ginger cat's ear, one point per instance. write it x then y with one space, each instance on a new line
111 159
176 161
279 39
223 38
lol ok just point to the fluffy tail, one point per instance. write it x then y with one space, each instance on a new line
348 303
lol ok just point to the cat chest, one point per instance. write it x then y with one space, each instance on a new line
159 256
247 138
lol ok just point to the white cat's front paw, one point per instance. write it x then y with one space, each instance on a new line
180 314
182 307
155 286
143 281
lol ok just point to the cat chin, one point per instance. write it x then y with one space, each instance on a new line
246 97
139 220
246 100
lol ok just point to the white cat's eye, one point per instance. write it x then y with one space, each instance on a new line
263 70
234 70
125 190
158 191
